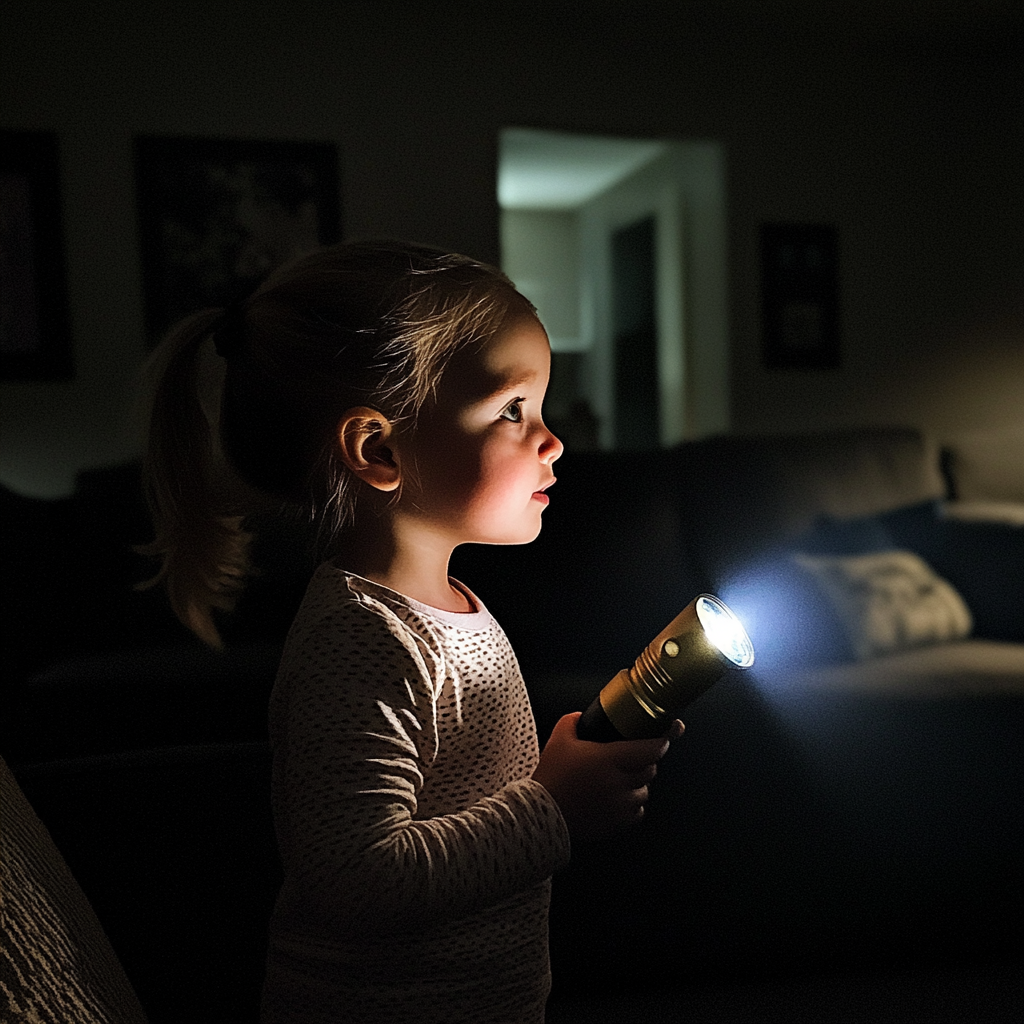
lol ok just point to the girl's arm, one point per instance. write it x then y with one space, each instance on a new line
356 736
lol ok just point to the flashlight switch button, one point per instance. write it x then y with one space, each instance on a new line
670 648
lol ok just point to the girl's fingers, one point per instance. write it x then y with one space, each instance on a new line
633 755
643 777
600 786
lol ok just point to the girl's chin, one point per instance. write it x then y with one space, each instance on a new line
524 535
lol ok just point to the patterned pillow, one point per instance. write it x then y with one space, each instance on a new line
889 600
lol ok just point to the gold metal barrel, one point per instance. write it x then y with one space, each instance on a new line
675 668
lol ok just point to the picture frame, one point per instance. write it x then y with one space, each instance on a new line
217 215
35 336
800 296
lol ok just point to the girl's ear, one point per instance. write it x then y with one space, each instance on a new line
364 437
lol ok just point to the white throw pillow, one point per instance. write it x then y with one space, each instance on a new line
889 600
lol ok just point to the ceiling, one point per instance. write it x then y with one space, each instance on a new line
539 170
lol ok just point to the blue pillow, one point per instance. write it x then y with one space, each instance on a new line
983 560
865 536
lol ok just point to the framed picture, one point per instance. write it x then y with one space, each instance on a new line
35 340
216 216
800 292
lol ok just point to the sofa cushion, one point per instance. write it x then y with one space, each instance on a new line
965 669
1009 512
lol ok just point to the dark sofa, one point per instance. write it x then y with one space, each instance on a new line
822 814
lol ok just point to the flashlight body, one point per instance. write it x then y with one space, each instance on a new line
675 668
595 725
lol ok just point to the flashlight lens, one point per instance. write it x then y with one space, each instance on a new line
725 631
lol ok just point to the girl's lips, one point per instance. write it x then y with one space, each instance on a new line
540 495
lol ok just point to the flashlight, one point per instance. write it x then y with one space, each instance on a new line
686 658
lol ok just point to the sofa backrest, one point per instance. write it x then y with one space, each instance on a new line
986 465
741 495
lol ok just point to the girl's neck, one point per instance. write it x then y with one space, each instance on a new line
416 566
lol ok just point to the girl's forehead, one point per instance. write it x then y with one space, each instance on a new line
517 356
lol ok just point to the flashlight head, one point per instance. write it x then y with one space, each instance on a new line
725 631
686 658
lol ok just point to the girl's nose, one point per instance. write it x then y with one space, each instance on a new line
550 447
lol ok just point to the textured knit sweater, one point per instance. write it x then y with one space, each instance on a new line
417 850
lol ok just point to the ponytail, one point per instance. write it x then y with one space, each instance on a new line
202 548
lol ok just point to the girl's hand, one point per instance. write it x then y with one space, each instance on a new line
599 787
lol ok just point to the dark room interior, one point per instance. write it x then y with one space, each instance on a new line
839 835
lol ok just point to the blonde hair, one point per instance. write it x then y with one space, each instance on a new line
362 323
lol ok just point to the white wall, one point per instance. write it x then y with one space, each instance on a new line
540 251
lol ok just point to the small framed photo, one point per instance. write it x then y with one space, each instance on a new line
800 293
216 216
35 339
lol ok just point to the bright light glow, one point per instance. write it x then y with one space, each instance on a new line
725 631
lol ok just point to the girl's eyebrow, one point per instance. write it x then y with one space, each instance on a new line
515 381
499 385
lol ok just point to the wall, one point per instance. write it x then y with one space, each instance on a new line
907 136
540 252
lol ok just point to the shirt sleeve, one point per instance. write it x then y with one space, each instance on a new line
355 743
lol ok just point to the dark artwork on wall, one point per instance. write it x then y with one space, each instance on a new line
35 342
800 292
217 215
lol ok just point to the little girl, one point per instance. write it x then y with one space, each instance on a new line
393 393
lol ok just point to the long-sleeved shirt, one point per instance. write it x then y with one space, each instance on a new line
417 849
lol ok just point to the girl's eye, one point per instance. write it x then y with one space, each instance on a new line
513 411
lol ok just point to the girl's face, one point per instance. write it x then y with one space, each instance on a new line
481 454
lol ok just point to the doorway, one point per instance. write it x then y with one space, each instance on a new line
635 337
620 244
